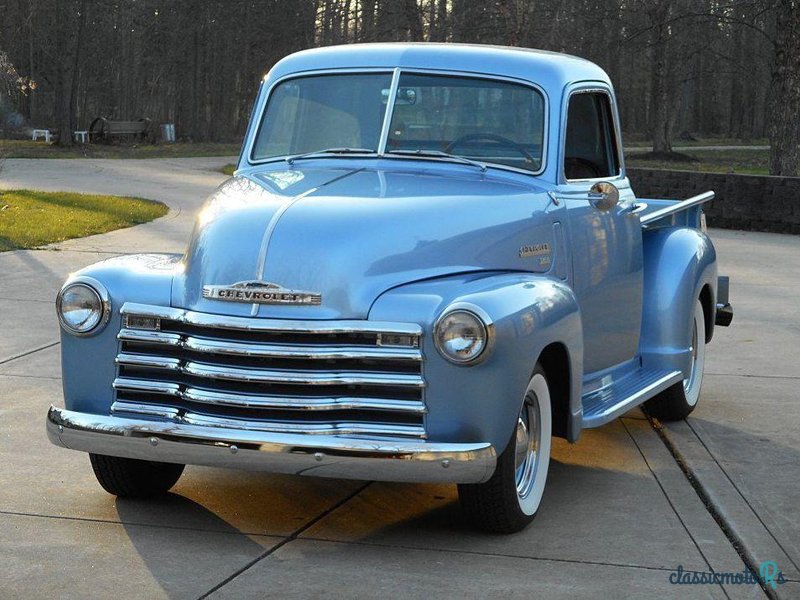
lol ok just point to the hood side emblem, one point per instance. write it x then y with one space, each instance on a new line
260 292
530 250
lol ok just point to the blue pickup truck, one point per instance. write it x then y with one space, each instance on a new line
428 263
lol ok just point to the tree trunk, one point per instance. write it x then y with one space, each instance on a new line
784 127
441 21
73 88
367 21
64 66
660 124
32 74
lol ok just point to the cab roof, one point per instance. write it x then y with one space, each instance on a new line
548 69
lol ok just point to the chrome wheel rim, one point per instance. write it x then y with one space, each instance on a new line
527 440
697 349
689 382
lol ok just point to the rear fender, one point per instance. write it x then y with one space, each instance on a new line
679 263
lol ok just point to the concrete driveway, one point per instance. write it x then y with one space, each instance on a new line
620 513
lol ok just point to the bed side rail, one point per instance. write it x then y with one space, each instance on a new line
650 218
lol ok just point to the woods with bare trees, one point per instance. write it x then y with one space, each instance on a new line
682 68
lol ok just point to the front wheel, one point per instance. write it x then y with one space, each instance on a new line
509 501
678 401
132 478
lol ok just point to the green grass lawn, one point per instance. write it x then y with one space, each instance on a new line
39 149
29 218
749 162
633 141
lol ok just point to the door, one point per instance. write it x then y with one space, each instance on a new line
606 245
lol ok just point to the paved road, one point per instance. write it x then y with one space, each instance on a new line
619 514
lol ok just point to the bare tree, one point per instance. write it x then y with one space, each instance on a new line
699 66
399 21
784 128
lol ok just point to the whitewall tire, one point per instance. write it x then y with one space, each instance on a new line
678 401
510 499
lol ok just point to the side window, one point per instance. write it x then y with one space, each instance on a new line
590 147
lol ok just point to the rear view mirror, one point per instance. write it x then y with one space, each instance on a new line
405 96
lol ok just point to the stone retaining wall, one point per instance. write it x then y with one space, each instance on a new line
747 202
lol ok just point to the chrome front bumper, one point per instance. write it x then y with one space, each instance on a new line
315 455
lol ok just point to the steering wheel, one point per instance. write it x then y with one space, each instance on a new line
576 163
492 137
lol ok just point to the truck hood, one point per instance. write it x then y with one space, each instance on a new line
351 234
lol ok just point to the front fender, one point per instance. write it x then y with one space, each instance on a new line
679 262
482 402
87 363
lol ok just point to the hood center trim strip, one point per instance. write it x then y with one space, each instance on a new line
273 223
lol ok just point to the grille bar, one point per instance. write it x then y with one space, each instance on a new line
340 403
152 410
270 375
152 362
330 428
342 428
304 352
192 394
301 377
235 348
143 385
271 325
150 337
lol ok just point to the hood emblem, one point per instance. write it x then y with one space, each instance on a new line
531 250
259 292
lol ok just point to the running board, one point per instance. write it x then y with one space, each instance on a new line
611 401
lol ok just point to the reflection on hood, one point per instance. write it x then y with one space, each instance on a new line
350 235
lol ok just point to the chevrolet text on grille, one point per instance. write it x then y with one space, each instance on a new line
260 293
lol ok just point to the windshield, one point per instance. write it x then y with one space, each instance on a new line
487 120
314 113
483 119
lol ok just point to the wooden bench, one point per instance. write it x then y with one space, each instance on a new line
105 130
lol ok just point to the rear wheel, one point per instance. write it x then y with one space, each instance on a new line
509 501
131 478
677 402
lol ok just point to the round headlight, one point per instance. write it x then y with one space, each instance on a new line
82 308
461 336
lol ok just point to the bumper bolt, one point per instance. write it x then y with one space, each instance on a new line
446 463
318 456
153 441
234 449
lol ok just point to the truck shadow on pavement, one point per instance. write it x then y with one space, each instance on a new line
603 506
606 515
190 557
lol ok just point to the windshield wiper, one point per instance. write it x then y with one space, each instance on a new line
291 159
441 154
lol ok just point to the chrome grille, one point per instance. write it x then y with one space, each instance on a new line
359 378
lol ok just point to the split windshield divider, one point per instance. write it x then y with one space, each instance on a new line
387 116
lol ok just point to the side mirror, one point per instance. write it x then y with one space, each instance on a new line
603 196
